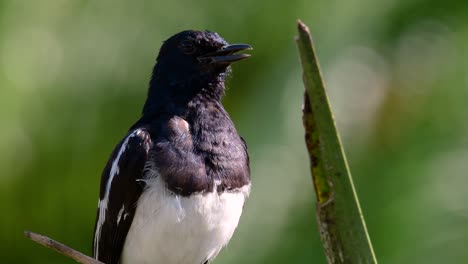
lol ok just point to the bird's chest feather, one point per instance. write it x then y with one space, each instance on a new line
169 228
201 154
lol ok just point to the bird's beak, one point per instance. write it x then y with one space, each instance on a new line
226 55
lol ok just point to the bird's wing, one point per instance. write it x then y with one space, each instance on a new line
121 186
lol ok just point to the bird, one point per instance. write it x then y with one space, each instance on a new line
174 187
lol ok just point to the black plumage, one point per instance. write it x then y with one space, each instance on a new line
184 134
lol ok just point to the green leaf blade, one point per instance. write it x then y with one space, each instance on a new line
341 223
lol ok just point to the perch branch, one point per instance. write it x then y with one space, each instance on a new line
61 248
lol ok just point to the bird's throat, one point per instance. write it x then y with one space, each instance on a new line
174 96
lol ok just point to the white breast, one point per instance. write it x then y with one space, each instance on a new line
172 229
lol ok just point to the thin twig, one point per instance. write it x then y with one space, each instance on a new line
61 248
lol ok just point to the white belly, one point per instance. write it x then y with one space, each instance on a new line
172 229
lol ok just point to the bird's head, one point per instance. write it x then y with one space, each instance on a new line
192 60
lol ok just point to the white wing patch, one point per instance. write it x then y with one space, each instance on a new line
104 202
119 216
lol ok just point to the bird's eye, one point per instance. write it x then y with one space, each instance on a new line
187 47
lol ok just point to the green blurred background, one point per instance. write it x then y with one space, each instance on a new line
74 74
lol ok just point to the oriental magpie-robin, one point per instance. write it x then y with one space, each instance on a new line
174 188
